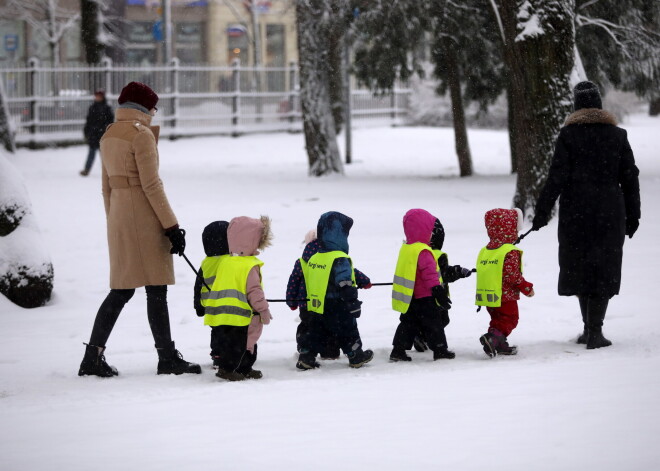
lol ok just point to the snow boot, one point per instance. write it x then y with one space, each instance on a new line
170 361
230 375
94 364
595 320
307 361
490 343
505 349
359 358
596 339
419 344
443 353
399 354
584 306
582 338
253 374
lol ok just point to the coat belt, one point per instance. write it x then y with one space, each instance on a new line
119 182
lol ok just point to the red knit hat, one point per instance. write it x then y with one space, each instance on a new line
139 93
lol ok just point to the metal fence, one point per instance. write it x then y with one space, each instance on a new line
49 104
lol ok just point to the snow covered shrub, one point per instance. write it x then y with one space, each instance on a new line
26 272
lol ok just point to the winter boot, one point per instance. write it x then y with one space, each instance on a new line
253 374
399 354
94 364
595 339
443 353
306 361
359 358
595 319
582 338
491 341
505 349
170 361
584 306
230 375
419 344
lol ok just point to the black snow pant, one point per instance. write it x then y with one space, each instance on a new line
229 345
157 313
593 311
337 321
424 317
305 337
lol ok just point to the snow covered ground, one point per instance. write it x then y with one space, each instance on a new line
555 406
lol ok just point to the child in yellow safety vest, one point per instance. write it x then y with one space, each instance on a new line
500 280
235 306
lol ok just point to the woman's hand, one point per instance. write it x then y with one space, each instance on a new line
177 238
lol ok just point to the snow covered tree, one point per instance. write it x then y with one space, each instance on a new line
619 42
539 41
26 273
48 18
315 21
6 132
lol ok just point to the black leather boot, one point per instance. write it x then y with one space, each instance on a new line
170 361
595 320
94 364
584 307
359 358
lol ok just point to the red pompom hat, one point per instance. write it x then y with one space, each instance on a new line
139 93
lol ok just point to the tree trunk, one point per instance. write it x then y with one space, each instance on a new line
313 18
458 112
654 108
538 66
89 31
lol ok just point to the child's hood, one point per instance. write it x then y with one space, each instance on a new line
418 226
247 235
214 239
332 230
502 226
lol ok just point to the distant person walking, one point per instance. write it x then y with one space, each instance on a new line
139 221
594 175
99 117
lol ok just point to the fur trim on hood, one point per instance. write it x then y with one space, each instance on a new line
591 116
248 235
310 236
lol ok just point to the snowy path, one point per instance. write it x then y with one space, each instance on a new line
554 406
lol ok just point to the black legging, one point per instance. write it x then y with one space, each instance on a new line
157 313
593 310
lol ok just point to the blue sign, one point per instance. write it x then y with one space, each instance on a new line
157 31
11 42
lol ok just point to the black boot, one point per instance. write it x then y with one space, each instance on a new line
359 358
584 307
596 318
94 363
230 375
170 361
399 354
419 344
443 353
306 361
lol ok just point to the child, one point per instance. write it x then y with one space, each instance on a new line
500 280
236 306
417 293
296 292
448 274
333 297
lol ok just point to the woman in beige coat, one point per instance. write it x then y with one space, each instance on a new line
140 221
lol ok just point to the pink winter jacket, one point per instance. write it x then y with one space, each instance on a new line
418 227
246 236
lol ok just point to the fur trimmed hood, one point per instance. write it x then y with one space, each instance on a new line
247 236
591 116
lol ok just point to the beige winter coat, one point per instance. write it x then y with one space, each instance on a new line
136 207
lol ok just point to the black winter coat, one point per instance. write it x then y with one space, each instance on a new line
594 174
99 117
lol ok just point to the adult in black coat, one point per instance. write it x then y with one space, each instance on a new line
593 172
99 117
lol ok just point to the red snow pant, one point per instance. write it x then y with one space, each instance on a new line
505 317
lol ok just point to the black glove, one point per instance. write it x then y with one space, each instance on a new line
540 220
465 272
177 238
440 296
631 227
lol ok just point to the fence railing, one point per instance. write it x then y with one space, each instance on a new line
49 104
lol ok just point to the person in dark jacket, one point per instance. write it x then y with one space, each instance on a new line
593 173
99 117
296 293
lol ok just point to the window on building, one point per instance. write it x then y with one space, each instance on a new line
189 39
141 47
275 56
237 41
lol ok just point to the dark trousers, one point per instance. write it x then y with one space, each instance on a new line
593 310
338 322
305 337
157 313
91 155
424 317
229 345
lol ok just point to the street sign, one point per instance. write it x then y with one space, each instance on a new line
11 42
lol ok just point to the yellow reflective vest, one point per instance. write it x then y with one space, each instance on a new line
227 303
490 270
405 274
317 273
